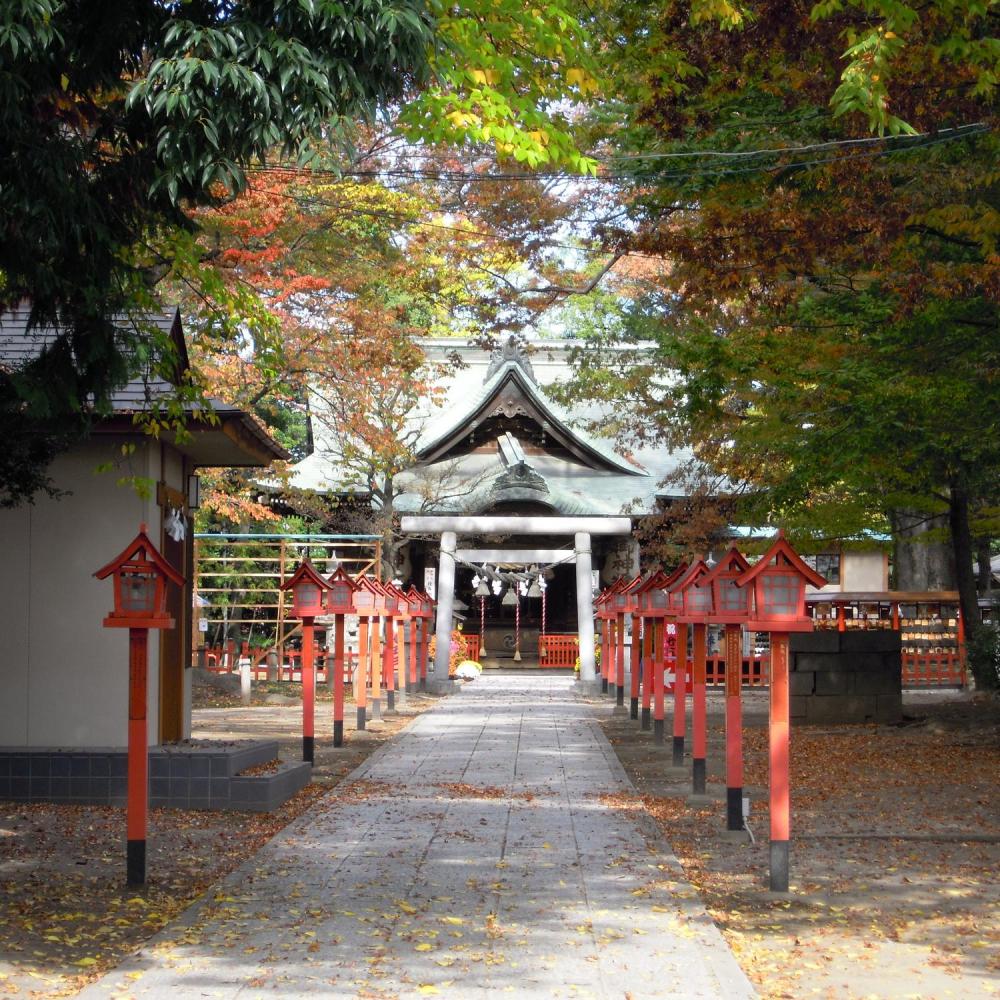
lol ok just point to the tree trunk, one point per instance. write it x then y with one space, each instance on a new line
919 563
961 541
985 580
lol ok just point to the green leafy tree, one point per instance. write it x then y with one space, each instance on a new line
119 119
818 186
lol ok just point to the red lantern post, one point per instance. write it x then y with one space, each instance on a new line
427 612
140 578
339 602
415 604
363 600
307 587
635 669
731 608
696 603
653 604
621 603
779 581
601 614
390 609
402 617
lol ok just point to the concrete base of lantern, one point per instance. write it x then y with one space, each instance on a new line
702 800
779 866
736 836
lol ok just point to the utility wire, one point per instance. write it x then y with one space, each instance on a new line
903 144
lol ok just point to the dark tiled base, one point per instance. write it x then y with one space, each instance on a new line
180 777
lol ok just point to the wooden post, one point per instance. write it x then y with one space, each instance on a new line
375 668
648 670
734 728
308 692
138 758
414 657
620 660
680 693
425 641
389 666
401 682
778 738
338 680
659 663
699 712
361 674
635 667
605 654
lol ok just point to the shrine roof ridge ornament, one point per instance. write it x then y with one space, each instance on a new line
515 524
510 352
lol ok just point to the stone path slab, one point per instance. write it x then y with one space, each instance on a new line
472 856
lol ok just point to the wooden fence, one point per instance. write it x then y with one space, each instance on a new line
238 577
558 651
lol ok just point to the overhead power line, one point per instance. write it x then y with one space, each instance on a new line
873 147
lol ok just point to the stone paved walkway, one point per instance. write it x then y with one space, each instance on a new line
474 857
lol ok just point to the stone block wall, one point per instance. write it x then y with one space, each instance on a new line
180 777
846 677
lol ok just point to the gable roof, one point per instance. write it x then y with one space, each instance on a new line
509 391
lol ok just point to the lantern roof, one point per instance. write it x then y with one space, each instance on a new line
603 596
368 583
733 562
307 573
141 546
341 576
696 573
635 584
669 579
655 581
781 555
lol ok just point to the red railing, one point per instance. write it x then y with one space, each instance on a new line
471 646
558 651
934 670
225 659
754 671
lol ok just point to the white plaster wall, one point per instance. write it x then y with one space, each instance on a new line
864 571
65 676
14 607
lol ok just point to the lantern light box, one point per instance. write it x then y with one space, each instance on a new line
140 578
694 595
779 580
340 596
307 587
730 602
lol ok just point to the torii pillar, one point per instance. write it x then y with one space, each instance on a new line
445 603
585 608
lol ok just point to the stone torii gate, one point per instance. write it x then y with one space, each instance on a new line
581 528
